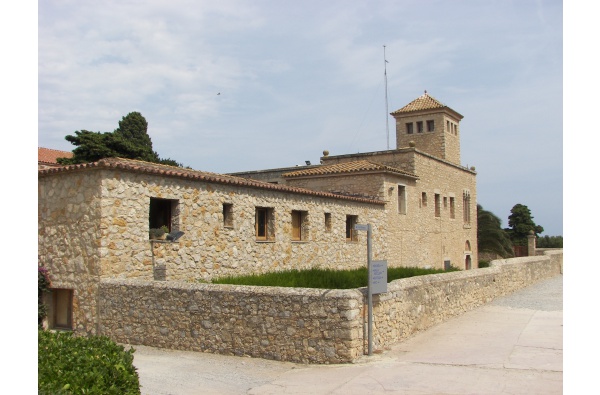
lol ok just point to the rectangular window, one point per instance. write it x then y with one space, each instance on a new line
452 207
424 199
409 128
401 199
62 308
420 127
437 205
164 212
228 215
299 225
351 234
264 223
466 207
430 125
445 202
328 222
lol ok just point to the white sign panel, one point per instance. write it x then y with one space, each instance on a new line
364 227
379 277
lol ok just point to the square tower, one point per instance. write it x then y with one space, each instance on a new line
431 125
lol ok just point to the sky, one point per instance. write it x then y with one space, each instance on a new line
246 85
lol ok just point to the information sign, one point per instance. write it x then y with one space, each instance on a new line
363 227
379 277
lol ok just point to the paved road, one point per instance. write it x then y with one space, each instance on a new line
512 345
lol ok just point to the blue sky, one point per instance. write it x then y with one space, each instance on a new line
244 85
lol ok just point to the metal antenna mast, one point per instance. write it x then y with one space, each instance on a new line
387 126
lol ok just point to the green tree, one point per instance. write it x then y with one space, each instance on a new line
550 242
130 140
490 235
521 223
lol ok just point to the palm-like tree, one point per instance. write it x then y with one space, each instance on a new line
490 235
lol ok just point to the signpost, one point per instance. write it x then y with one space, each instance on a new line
377 281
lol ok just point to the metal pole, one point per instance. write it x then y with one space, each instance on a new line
387 114
369 289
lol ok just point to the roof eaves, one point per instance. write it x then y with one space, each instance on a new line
171 171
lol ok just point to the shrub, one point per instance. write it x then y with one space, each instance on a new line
484 264
323 278
84 365
43 286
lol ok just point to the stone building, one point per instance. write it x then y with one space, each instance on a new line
94 219
47 157
431 209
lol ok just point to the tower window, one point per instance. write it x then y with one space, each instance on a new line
409 128
420 127
430 125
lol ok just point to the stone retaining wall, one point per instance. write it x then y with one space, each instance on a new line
301 325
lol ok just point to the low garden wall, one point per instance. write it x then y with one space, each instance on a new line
299 324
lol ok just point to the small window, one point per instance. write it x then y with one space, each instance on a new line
445 202
163 212
452 207
409 128
228 215
437 205
401 199
430 125
328 222
466 207
299 225
62 306
424 199
420 127
264 223
351 234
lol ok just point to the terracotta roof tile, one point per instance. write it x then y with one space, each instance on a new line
423 102
195 175
359 166
47 155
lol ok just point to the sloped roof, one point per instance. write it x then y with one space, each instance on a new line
47 155
359 166
194 175
423 102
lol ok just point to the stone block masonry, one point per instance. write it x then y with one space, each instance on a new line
285 324
297 324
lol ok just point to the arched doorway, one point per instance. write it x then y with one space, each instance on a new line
467 255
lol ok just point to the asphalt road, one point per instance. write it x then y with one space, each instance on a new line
513 345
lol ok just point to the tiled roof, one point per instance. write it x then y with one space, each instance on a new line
189 174
359 166
423 102
47 155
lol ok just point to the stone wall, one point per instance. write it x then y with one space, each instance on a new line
287 324
69 234
210 248
302 325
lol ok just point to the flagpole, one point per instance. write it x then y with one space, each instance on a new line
387 126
